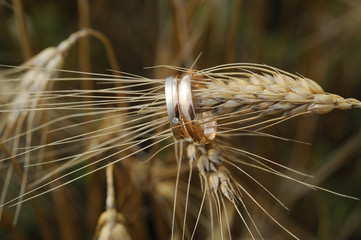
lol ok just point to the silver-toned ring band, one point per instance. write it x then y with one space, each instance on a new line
181 112
171 96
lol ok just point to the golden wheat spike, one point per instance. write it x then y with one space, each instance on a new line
111 224
265 89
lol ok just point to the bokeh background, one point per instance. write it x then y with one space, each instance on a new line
319 39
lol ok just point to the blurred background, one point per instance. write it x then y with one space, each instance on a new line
318 39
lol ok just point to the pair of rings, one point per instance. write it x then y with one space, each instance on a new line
181 112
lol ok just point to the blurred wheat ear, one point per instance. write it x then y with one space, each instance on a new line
27 89
111 223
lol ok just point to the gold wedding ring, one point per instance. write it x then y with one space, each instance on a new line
181 112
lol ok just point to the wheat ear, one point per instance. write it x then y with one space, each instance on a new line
111 224
261 88
239 94
31 82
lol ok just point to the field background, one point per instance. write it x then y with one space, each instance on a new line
319 39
